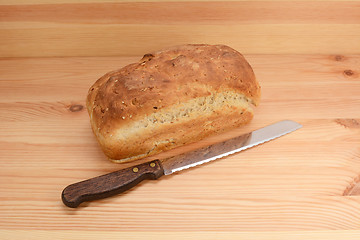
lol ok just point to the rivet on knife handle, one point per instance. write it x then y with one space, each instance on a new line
110 184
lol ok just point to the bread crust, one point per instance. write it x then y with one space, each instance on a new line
132 109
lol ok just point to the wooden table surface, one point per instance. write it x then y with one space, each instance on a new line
305 185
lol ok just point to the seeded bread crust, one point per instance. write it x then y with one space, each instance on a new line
170 98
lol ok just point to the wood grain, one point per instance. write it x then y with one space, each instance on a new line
57 39
27 2
89 235
128 28
217 13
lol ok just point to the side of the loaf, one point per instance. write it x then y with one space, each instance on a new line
171 98
178 125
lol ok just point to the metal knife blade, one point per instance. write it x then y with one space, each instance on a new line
117 182
228 147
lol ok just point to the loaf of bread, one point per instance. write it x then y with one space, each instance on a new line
170 98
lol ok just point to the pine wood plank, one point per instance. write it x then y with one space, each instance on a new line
89 235
66 81
55 39
222 12
27 2
199 214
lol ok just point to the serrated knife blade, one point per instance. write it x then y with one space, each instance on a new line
228 147
116 182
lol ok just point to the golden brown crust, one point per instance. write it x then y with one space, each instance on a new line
163 80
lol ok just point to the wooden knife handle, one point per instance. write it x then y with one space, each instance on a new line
110 184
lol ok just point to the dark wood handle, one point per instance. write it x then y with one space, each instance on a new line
110 184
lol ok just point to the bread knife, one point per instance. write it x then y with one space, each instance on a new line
117 182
